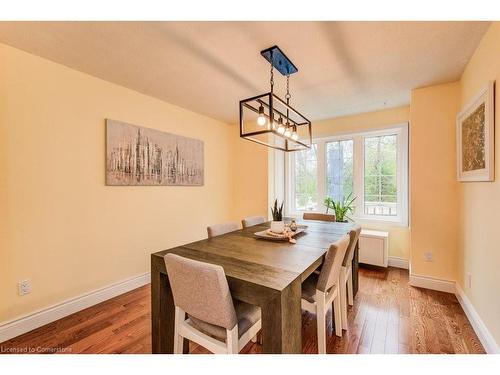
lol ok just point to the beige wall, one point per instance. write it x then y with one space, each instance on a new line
60 225
361 122
479 202
433 183
399 236
250 184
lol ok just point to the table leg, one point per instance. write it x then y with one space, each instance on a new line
162 314
282 322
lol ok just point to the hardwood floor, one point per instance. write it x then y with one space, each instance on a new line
388 316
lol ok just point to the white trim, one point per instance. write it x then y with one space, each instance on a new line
399 262
16 327
478 325
433 283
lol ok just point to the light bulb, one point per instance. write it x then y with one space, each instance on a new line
287 132
261 120
295 136
281 128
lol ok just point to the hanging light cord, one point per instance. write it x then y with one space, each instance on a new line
288 96
271 81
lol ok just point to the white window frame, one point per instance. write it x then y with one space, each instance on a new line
401 219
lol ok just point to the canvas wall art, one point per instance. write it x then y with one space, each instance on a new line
475 138
136 155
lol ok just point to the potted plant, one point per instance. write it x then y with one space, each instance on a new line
341 208
277 225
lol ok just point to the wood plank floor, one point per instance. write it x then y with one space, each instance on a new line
388 316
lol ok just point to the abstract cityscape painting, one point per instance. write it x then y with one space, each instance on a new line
475 138
141 156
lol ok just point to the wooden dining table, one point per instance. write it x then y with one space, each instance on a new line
265 273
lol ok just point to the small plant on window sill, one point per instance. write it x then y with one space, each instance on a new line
341 208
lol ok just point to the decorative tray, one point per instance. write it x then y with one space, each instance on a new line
287 235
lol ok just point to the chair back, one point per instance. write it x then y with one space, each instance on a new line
219 229
201 290
353 240
252 220
317 216
330 271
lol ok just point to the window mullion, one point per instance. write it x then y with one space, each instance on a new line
321 174
358 185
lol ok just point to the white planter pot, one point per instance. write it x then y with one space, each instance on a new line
277 226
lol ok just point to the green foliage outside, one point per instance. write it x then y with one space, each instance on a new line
380 171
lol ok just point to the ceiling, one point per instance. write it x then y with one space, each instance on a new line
207 67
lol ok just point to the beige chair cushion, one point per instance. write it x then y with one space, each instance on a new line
330 270
219 229
316 216
201 290
247 316
353 240
309 288
252 220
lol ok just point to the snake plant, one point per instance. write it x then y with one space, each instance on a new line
277 212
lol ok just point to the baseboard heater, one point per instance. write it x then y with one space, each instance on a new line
374 247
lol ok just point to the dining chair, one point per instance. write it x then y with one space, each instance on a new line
321 291
213 321
252 220
346 286
219 229
318 216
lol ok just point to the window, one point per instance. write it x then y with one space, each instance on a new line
306 188
380 175
339 169
371 166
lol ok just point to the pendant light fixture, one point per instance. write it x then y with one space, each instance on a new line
269 120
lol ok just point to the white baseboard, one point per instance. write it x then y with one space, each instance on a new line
477 323
398 262
16 327
428 282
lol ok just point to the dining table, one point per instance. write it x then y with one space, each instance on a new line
261 272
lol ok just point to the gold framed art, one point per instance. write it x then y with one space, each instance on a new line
476 137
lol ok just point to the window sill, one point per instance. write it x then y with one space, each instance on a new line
359 220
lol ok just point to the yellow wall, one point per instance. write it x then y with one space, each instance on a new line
399 236
479 202
250 184
60 225
433 182
361 122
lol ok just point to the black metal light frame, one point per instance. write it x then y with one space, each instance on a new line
283 64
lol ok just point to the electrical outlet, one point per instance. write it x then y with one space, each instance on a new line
24 287
428 256
469 280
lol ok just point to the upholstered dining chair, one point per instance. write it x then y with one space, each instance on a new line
346 286
214 321
321 291
252 220
219 229
318 216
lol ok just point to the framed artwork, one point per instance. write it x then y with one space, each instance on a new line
141 156
476 137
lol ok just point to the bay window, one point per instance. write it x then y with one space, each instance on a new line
371 166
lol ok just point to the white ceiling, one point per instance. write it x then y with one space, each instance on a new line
207 67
